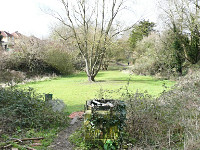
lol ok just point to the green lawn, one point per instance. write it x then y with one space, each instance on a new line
76 89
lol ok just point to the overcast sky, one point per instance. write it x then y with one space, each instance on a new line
26 16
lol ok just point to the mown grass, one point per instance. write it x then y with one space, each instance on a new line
74 90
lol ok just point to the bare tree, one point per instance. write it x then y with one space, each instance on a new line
90 23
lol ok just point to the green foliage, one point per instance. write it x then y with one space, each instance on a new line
60 60
24 109
118 118
192 44
109 145
177 50
106 124
77 138
142 29
48 134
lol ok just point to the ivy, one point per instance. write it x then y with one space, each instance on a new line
109 145
113 117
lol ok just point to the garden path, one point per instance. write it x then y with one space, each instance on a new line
62 140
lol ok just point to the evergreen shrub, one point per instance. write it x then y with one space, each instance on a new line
25 109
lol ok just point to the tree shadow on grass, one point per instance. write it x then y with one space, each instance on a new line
135 81
83 75
126 80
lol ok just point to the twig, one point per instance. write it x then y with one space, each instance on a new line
29 148
6 146
28 139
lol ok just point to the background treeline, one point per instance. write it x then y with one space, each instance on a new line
174 50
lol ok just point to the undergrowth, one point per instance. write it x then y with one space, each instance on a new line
170 121
24 111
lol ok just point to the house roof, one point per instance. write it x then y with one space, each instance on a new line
8 34
5 34
16 34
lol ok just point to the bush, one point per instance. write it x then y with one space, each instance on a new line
60 60
35 57
25 109
168 122
30 62
146 66
147 59
7 75
3 60
155 57
12 75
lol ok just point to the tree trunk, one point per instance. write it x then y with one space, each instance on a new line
89 73
91 78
